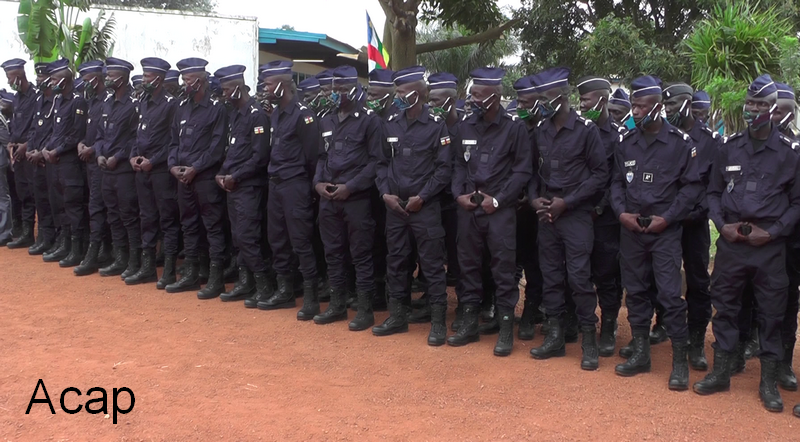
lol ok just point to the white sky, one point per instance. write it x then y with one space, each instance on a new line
344 23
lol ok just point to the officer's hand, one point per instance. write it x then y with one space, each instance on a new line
557 207
22 149
487 204
341 193
135 164
220 179
188 175
146 165
87 154
177 173
540 204
414 204
628 220
50 156
731 233
465 201
102 162
393 203
522 201
657 225
10 148
229 183
111 163
758 236
322 190
37 158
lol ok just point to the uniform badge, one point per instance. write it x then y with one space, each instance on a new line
144 126
233 140
89 121
79 111
647 177
58 119
445 141
730 185
694 152
466 154
308 120
258 130
629 176
41 122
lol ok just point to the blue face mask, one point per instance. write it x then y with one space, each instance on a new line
481 107
404 103
547 110
336 98
629 123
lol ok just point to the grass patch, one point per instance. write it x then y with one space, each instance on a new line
714 236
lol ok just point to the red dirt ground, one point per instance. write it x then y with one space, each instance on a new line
204 370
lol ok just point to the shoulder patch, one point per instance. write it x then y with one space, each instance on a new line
680 133
436 118
445 141
169 98
301 106
392 117
789 142
309 119
253 109
584 120
215 102
732 137
258 130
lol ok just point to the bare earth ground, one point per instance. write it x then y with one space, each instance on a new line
206 371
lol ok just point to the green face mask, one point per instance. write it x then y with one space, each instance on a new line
523 114
592 114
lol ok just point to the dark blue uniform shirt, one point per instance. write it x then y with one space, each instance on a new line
42 122
199 136
707 143
22 124
69 126
295 142
609 134
248 152
93 120
116 133
154 134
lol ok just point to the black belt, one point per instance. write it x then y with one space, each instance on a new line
275 179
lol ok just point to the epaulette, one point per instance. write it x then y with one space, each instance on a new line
436 118
509 116
539 124
75 95
391 117
368 111
215 102
108 97
624 135
732 137
301 106
791 143
585 121
714 134
169 98
515 117
253 109
680 133
465 117
619 128
185 100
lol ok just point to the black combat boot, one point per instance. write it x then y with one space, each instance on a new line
310 301
134 263
244 287
64 244
527 326
737 359
324 290
505 341
364 318
119 264
459 319
231 274
75 253
203 268
488 305
468 330
40 246
591 353
752 345
768 388
282 298
265 288
491 326
697 349
571 328
160 255
608 336
720 377
639 362
796 410
379 302
786 377
190 279
421 315
659 332
215 285
553 344
438 332
397 322
106 254
25 240
168 276
89 264
147 271
16 227
626 351
679 378
337 309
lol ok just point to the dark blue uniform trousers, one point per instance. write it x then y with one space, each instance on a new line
157 192
605 269
119 196
425 229
54 196
344 223
201 208
98 227
69 191
528 254
24 185
695 243
44 213
245 206
498 232
565 251
646 257
735 265
290 226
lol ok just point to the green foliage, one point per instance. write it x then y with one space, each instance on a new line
180 5
38 28
95 41
471 15
727 96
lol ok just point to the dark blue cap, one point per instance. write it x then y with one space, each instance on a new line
523 86
785 91
408 75
6 96
442 80
171 76
214 85
191 65
512 107
381 78
117 64
309 84
677 89
14 63
91 67
136 80
41 68
620 98
551 79
345 75
701 100
155 64
645 85
78 86
325 76
460 105
273 68
592 83
58 66
487 76
761 87
230 73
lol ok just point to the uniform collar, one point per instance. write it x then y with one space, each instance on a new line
422 118
607 127
158 98
290 107
772 141
246 108
550 127
126 97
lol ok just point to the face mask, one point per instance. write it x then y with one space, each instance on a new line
59 87
648 119
676 119
757 121
89 89
237 94
594 113
379 104
547 109
151 87
482 106
628 122
443 110
525 114
15 84
276 94
404 103
193 89
786 122
44 84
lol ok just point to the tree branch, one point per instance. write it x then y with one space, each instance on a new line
387 9
489 34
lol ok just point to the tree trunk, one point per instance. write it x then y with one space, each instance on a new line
404 48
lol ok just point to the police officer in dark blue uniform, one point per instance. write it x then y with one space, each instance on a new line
156 188
493 165
344 178
324 104
754 200
295 144
701 105
199 135
243 176
21 128
61 152
696 238
94 92
115 138
619 106
594 102
171 83
572 168
413 172
655 184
